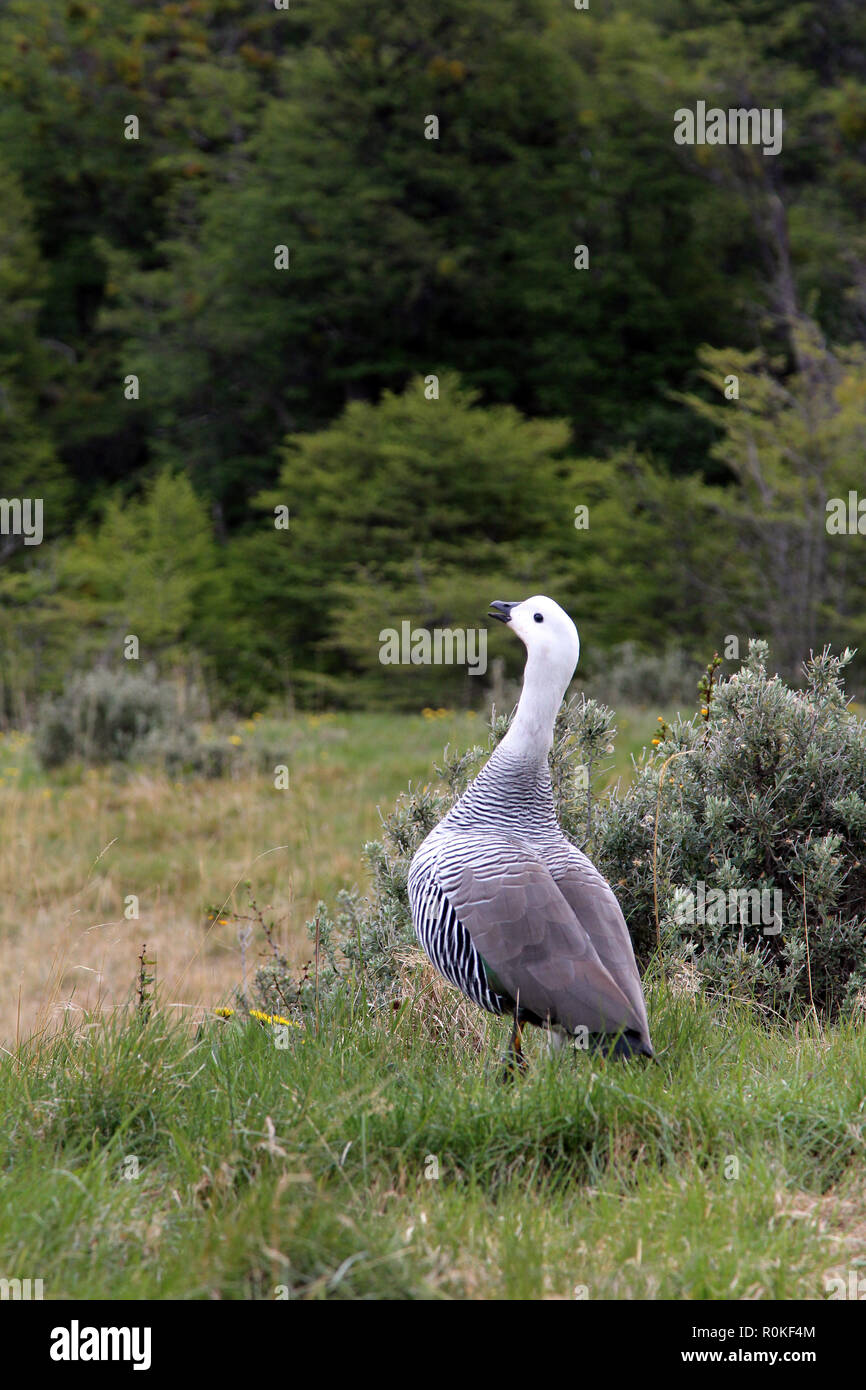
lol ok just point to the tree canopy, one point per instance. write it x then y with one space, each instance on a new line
236 241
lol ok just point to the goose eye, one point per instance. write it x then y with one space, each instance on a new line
538 617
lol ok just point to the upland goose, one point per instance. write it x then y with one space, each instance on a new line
506 907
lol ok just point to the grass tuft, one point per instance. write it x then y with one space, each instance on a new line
383 1158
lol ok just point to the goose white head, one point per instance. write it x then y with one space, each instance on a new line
546 631
552 649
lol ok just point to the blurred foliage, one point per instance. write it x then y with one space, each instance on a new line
102 716
257 387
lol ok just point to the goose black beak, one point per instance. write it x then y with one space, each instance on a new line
502 609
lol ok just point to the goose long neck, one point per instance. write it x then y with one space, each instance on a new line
530 737
513 788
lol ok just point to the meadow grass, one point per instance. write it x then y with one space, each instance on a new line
76 844
730 1168
187 1156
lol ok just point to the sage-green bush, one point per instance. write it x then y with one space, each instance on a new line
765 790
102 716
112 715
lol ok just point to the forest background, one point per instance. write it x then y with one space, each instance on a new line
423 384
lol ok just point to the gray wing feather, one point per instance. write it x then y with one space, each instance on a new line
526 931
594 904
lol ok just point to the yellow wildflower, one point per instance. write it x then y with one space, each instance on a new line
272 1018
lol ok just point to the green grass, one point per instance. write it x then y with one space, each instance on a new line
304 1167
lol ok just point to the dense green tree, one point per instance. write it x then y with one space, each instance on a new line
71 74
148 570
28 463
555 130
407 254
794 548
305 128
423 510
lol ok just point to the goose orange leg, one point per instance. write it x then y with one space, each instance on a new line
514 1060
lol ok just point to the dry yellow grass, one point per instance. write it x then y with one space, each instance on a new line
71 855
